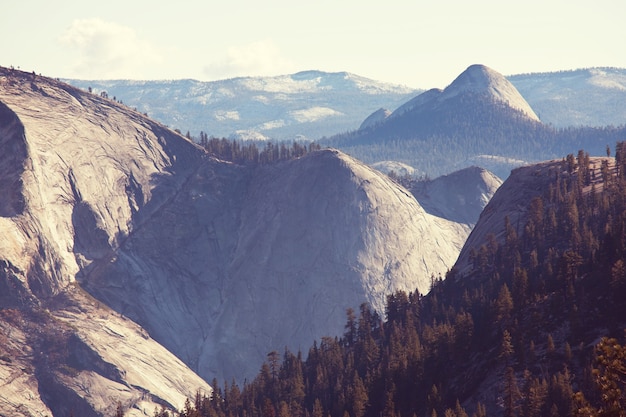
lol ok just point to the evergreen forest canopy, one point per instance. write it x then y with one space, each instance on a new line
536 328
248 152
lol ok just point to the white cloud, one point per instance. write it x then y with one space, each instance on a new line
109 50
258 58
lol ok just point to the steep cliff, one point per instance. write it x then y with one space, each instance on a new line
76 171
214 262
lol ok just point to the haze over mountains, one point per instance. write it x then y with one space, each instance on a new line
305 105
582 97
479 119
314 104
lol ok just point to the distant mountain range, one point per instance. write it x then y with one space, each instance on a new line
479 119
313 104
583 97
305 105
451 128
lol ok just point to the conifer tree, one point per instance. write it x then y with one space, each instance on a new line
510 394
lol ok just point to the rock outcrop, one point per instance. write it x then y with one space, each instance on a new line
212 262
460 196
79 174
248 260
512 201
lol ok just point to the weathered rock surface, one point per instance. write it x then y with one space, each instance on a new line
218 263
77 169
85 359
248 260
460 196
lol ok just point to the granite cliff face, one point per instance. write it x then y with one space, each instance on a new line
189 258
460 196
248 260
76 172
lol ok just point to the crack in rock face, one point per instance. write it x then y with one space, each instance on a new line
13 159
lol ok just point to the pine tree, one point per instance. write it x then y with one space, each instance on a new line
510 394
390 407
359 396
504 306
351 327
506 347
610 376
459 411
481 410
318 410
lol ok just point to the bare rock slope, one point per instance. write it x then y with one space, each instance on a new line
77 169
249 260
198 266
460 196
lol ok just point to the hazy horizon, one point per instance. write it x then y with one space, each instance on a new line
417 44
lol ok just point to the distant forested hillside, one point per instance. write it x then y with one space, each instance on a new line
442 140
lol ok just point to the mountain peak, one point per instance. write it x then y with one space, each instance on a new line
481 79
375 118
479 75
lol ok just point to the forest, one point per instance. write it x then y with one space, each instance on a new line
242 153
536 328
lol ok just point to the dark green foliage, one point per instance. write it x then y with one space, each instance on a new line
248 152
511 338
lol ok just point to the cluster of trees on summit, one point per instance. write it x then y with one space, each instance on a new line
248 152
535 329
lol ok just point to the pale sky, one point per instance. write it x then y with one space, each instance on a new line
421 44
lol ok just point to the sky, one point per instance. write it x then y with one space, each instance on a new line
418 43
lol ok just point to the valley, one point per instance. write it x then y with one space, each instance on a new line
144 272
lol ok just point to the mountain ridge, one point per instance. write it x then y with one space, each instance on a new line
476 124
564 98
299 224
581 97
172 242
475 80
524 323
481 79
438 131
535 327
53 229
312 103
